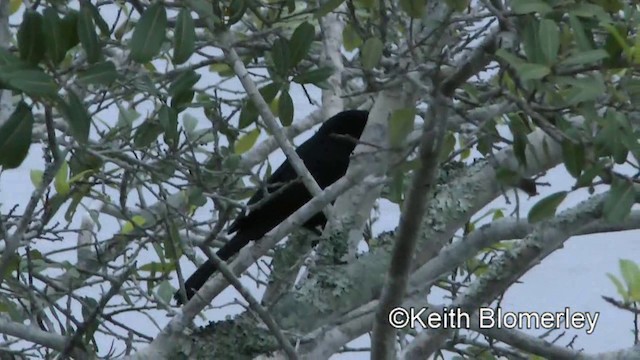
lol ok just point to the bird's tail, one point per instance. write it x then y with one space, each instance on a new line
204 272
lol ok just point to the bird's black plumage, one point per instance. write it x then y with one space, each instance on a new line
325 155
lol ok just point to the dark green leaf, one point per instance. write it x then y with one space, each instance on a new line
585 89
546 207
172 249
528 6
31 37
15 137
270 91
147 133
97 18
510 58
301 41
182 100
583 38
574 157
314 76
149 33
184 82
413 8
87 35
549 36
53 35
371 53
285 109
532 71
531 39
585 57
33 82
248 114
281 56
7 58
169 121
400 125
77 117
184 37
619 201
235 11
102 73
327 7
69 26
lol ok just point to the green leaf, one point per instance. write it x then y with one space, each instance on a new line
7 58
246 142
574 157
156 267
169 121
584 89
414 8
31 37
54 36
281 56
87 34
270 91
36 177
149 33
172 249
102 73
631 274
327 7
248 114
97 18
182 100
15 137
448 145
584 41
371 53
184 82
61 180
147 133
235 11
69 27
510 58
33 82
77 117
14 6
531 40
532 71
285 109
521 7
184 37
350 38
619 287
401 125
585 57
619 201
314 76
546 207
549 36
129 226
301 41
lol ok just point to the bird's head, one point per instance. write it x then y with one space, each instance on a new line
349 122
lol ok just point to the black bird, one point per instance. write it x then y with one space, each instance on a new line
326 155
